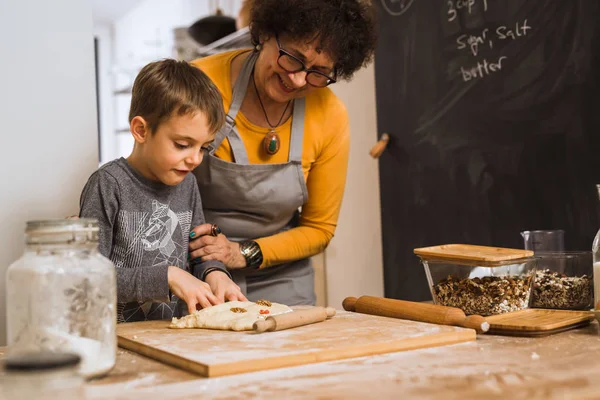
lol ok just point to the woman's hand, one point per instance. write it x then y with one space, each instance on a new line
207 247
193 291
223 287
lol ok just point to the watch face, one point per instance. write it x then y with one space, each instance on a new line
246 248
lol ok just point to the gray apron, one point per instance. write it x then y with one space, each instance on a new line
250 201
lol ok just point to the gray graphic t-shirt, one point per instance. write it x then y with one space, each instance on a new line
144 228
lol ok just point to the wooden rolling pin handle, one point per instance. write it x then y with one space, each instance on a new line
414 311
264 325
476 322
293 319
349 303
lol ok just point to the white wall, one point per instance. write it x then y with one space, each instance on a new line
144 34
354 258
103 32
48 140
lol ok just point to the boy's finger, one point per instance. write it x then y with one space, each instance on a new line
233 297
210 297
236 295
191 306
204 302
241 297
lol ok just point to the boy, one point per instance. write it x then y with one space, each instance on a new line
147 204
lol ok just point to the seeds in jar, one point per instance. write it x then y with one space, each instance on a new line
489 295
555 290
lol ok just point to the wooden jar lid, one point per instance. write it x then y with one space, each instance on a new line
472 253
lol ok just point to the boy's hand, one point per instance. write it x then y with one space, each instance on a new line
191 289
223 287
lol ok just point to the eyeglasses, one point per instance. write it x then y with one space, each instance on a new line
292 64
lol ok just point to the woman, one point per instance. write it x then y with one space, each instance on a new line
274 177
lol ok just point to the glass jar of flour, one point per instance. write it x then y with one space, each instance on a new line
596 255
61 295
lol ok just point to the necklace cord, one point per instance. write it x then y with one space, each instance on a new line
263 107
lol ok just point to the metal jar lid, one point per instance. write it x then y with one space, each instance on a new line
61 225
40 361
56 231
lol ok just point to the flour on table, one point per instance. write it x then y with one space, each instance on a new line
233 315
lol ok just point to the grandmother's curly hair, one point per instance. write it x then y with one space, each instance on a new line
345 28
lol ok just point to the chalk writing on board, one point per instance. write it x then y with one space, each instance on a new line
504 32
486 38
473 43
481 69
397 7
454 6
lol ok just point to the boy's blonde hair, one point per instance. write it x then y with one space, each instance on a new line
169 86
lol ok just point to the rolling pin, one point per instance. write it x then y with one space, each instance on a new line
293 319
423 312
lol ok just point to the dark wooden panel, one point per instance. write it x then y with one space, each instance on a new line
487 139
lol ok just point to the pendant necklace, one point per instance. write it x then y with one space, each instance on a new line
271 142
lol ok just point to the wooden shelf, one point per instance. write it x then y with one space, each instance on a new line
126 90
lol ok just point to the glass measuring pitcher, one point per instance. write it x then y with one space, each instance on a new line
544 240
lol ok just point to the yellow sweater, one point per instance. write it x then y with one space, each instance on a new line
324 162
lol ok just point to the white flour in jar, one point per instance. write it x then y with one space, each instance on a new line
596 283
61 312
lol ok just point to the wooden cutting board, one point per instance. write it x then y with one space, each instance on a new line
537 322
216 353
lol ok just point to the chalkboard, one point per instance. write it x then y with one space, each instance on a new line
493 109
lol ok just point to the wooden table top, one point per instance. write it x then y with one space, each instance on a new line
562 366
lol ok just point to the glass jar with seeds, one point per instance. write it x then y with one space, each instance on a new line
563 280
479 280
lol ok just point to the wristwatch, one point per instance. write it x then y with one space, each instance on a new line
252 253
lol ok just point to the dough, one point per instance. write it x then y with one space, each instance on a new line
222 317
